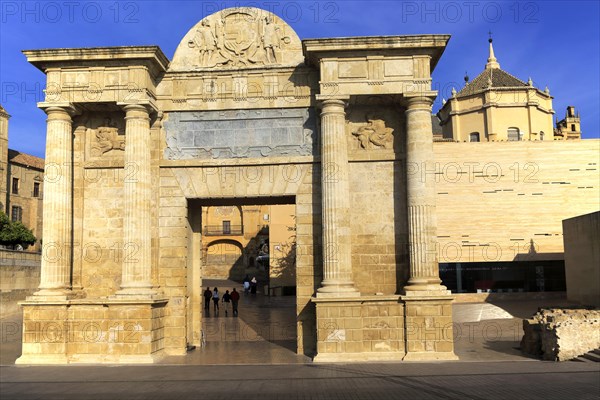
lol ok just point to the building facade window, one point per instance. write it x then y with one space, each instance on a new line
16 213
36 189
15 185
541 135
513 134
226 227
474 137
573 128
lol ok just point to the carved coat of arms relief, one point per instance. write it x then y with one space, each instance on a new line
238 38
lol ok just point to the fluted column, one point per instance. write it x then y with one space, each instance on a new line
136 278
337 264
422 224
55 279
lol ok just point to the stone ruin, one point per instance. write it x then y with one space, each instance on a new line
560 334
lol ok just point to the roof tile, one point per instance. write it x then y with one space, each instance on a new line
25 159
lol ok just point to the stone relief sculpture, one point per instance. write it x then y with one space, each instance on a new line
106 138
375 134
238 38
271 40
205 41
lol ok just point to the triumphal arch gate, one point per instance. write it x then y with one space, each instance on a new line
245 109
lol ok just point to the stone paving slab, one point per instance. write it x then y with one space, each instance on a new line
488 381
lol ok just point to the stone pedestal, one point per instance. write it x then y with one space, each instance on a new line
428 327
92 331
367 329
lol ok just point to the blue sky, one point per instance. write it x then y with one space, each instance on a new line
556 43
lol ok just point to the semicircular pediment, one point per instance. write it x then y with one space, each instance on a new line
237 38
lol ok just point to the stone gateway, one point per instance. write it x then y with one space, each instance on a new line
138 144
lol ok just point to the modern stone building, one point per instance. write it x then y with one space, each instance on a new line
244 114
21 184
582 258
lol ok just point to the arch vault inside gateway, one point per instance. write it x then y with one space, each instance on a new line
243 110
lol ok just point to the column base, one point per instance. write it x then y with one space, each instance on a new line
337 289
337 292
431 292
425 285
136 293
46 295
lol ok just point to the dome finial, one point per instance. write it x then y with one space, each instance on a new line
492 62
466 77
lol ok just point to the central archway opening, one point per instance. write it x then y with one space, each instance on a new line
246 245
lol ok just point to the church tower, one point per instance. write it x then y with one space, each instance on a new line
569 127
496 106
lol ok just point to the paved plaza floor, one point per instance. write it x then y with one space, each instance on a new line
253 356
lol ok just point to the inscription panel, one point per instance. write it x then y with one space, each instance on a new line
240 134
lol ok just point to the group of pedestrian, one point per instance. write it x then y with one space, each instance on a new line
232 298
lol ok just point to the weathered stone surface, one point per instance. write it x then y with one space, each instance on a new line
19 277
561 334
238 38
240 134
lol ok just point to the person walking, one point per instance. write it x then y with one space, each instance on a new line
215 297
207 297
253 285
246 285
226 301
235 298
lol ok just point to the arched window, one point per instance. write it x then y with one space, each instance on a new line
514 134
474 137
541 135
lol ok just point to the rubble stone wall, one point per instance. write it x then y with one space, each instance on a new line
561 334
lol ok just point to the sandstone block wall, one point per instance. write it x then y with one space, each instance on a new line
369 329
19 278
429 327
379 227
506 201
95 332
